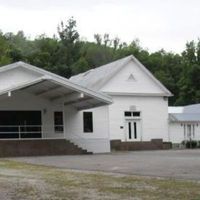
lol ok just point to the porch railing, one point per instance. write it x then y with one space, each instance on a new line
26 131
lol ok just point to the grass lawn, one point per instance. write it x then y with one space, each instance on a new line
20 181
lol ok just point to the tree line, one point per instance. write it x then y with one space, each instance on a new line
68 55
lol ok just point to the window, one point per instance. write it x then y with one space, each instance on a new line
58 122
127 114
87 122
136 114
132 114
135 130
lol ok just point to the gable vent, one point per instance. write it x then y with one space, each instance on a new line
131 78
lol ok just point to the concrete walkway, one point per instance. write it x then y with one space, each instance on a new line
173 163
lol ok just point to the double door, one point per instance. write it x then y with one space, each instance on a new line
133 130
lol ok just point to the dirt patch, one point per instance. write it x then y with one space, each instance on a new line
32 182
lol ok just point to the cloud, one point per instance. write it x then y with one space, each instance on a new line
158 24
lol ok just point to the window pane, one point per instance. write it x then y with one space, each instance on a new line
58 121
136 114
129 130
135 130
87 122
127 114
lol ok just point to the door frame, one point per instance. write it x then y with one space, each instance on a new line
138 129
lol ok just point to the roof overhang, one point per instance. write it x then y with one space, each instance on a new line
62 91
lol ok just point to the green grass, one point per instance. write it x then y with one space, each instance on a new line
26 181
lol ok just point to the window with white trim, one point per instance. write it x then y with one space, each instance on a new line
58 122
132 114
87 122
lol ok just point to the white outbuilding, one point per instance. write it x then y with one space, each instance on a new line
184 123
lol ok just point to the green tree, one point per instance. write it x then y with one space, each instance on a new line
4 50
80 66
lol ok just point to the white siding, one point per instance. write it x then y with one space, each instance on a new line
98 141
176 132
142 83
14 77
154 116
197 131
154 109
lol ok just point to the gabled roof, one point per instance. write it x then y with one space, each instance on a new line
51 81
96 78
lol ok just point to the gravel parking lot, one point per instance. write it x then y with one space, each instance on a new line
183 164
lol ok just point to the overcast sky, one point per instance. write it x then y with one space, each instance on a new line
158 24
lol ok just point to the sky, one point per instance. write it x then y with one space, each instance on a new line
158 24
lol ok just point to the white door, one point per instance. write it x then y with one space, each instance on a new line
133 130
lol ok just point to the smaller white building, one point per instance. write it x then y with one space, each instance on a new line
184 123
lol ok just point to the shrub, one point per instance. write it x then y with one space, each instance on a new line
192 144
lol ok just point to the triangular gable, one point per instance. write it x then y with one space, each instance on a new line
39 75
165 90
16 74
99 77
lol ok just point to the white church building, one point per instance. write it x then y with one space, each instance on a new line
139 111
43 113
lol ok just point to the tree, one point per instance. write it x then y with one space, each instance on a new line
106 39
4 50
80 66
67 32
116 43
98 38
189 54
69 45
68 55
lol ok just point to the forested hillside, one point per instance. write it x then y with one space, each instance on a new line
68 54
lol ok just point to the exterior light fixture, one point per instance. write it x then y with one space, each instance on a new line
9 94
82 95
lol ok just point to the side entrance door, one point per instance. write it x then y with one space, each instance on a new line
133 130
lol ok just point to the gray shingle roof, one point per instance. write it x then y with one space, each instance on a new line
184 117
190 113
194 108
96 78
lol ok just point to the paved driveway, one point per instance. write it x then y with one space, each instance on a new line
173 163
